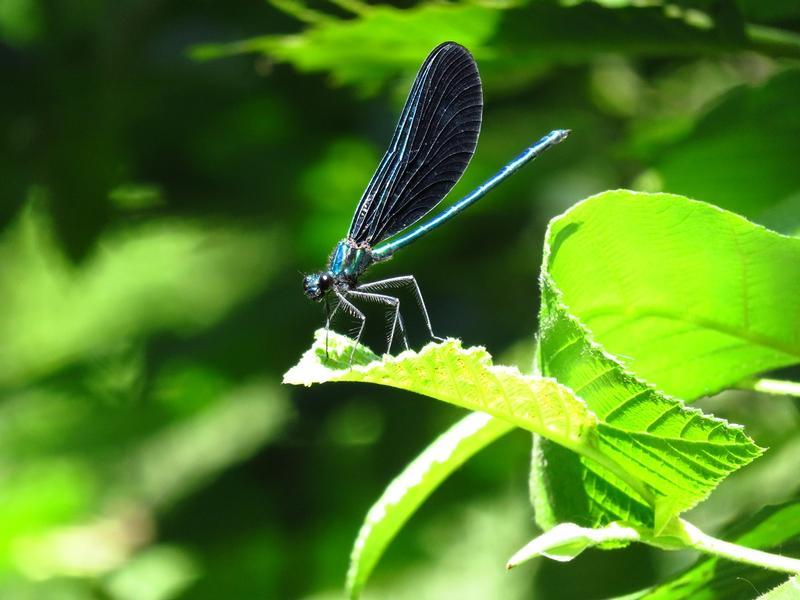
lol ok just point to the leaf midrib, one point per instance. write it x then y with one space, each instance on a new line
665 438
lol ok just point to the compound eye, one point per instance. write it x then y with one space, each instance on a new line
325 281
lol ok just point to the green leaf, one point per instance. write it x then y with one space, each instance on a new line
774 529
671 467
746 144
382 41
56 313
656 288
413 486
464 377
790 590
367 50
689 297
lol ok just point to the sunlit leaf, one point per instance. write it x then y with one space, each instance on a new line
790 590
656 288
689 297
381 43
465 377
383 40
672 464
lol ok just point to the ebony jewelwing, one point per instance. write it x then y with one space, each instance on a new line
432 145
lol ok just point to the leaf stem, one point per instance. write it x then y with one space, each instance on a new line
711 545
778 387
773 41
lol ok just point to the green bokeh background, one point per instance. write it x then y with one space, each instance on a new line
162 187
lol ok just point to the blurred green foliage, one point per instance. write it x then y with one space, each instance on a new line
156 210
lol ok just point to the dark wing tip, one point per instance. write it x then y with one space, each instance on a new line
450 45
434 141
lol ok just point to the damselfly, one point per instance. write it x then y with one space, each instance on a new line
432 145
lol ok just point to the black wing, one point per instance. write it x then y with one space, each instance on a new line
430 149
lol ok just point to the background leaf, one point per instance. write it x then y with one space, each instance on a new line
155 284
365 51
412 487
751 127
56 313
384 40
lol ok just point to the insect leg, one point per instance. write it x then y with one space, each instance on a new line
329 315
397 319
404 281
327 325
354 312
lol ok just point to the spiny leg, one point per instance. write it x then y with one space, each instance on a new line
401 281
355 313
397 320
333 312
329 314
328 317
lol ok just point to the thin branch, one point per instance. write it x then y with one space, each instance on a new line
741 554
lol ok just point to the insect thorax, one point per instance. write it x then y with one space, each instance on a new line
349 260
